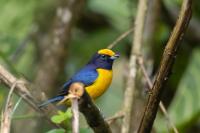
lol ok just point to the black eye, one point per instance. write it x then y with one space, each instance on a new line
103 57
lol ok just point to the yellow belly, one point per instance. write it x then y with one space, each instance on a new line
101 84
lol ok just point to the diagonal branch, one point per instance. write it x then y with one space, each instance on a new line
165 67
161 105
121 37
93 115
116 116
23 91
171 13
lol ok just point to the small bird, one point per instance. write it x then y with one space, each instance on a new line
96 76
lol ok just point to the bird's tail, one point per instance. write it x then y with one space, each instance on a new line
52 100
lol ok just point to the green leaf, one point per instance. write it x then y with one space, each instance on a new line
61 116
56 131
185 108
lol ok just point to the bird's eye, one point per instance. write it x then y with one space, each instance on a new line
103 57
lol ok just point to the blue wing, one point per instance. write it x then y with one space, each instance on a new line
86 75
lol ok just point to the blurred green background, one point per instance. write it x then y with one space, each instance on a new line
100 22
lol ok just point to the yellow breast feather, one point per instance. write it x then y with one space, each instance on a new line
101 84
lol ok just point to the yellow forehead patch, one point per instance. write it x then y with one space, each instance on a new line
106 52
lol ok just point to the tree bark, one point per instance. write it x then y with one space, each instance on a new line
165 67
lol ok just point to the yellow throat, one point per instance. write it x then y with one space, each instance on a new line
101 84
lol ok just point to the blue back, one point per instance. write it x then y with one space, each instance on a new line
86 75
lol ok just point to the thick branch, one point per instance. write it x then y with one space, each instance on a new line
193 32
87 107
165 67
93 115
161 105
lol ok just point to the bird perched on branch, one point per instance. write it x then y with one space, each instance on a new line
96 76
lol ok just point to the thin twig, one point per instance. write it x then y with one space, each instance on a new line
7 114
165 67
121 37
6 119
76 91
16 105
133 66
22 90
11 91
161 105
115 117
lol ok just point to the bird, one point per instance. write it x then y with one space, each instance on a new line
96 76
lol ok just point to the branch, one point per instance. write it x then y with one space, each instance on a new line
6 118
116 116
6 115
93 115
133 67
76 90
87 107
121 37
75 118
161 105
9 80
171 13
165 67
9 110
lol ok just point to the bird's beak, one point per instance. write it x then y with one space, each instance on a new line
114 57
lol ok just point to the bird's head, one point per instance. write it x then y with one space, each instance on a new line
104 58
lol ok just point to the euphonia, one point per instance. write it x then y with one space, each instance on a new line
96 76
